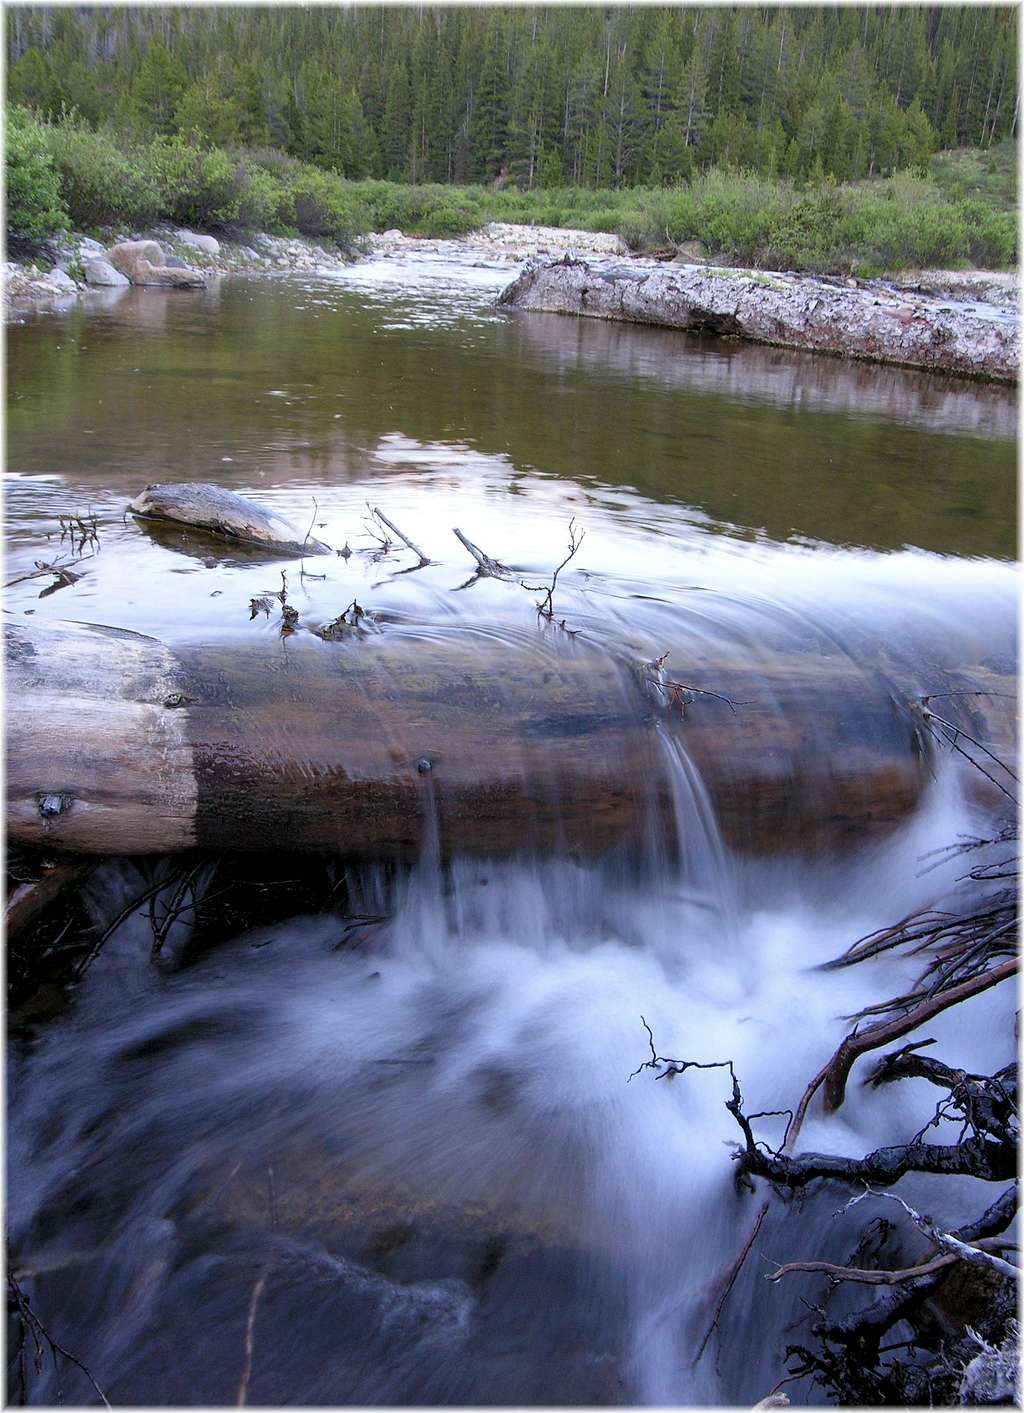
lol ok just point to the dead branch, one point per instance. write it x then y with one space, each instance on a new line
940 729
31 1324
250 1337
861 1276
546 608
486 566
348 622
729 1280
63 578
396 531
681 694
976 1253
835 1073
870 1324
28 900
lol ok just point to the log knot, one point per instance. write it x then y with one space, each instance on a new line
54 803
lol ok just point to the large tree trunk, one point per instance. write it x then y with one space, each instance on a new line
118 744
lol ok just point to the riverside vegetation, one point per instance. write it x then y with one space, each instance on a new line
847 141
64 173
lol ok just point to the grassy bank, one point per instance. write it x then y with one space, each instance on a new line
961 214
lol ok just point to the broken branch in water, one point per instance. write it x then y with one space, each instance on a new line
486 566
303 572
63 577
81 529
250 1337
31 1324
546 607
681 694
347 622
396 531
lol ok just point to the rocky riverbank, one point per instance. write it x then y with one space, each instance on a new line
961 322
73 268
872 322
73 272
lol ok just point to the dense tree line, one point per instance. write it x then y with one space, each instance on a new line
594 96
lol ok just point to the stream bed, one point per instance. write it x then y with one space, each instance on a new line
390 1153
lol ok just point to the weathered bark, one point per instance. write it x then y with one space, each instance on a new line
118 744
786 310
218 512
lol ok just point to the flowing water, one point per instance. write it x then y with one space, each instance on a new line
393 1154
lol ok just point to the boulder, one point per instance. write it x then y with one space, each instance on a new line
101 272
59 280
143 262
208 243
691 252
790 311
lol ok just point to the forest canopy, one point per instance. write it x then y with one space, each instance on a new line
533 96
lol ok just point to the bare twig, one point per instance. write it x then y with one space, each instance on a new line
546 608
31 1323
396 531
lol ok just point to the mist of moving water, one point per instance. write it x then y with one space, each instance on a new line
411 1151
395 1156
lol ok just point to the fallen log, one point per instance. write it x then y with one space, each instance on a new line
29 900
222 513
118 744
785 310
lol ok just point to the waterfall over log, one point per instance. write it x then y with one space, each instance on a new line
118 744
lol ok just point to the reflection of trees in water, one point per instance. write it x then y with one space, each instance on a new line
766 438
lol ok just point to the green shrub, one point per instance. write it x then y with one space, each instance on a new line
322 204
448 215
991 234
101 182
264 203
34 207
199 186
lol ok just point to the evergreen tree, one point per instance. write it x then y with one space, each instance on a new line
157 91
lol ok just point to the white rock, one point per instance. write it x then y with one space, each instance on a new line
101 272
208 243
58 280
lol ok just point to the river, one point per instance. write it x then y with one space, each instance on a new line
392 1154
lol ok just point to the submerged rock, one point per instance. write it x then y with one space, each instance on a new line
787 310
221 512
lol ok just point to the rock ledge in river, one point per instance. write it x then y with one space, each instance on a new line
786 310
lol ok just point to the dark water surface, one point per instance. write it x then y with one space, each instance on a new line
397 1161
